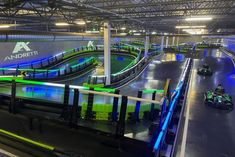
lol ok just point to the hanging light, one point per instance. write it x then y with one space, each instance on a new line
199 19
80 22
5 26
199 26
61 24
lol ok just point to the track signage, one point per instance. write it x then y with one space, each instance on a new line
90 44
21 50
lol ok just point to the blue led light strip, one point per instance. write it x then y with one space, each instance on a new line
170 113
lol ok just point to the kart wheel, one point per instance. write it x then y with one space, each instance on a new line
209 103
229 106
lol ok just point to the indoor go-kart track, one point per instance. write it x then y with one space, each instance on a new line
154 76
207 131
80 79
201 124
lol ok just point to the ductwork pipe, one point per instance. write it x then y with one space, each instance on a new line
16 35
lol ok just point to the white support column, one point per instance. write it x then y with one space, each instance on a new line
167 41
107 53
173 41
146 45
177 43
162 43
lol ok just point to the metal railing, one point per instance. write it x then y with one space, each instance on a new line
43 63
40 66
79 102
160 140
123 76
56 73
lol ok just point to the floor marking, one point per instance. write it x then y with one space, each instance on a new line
230 57
185 132
7 153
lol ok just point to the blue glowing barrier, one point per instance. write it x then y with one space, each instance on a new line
164 126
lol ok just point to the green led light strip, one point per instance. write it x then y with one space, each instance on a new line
27 140
45 70
104 89
55 84
153 90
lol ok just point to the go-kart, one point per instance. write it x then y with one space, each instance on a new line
205 70
218 100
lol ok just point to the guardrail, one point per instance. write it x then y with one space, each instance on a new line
112 107
57 73
33 67
115 108
43 63
122 76
160 140
48 74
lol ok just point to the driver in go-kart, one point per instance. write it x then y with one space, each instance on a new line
219 89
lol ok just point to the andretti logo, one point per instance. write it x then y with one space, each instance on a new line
21 50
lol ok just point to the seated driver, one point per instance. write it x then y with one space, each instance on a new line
219 89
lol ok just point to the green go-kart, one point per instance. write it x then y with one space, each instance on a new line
205 70
218 100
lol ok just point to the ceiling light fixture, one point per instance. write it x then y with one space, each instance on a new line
123 28
80 22
92 32
133 31
137 34
184 27
5 26
194 31
198 19
61 24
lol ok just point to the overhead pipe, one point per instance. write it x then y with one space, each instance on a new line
17 35
22 35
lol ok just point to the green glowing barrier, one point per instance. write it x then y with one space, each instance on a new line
22 81
76 53
45 70
26 140
93 85
55 84
69 50
103 111
12 77
183 51
159 91
104 89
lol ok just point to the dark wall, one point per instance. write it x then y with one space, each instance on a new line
22 52
185 39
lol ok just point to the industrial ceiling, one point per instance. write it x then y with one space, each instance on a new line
159 16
